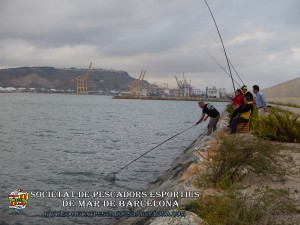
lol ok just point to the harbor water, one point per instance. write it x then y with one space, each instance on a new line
71 142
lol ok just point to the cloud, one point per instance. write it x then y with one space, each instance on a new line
164 37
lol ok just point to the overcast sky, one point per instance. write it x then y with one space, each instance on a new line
165 37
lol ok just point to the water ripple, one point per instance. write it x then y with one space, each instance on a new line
72 142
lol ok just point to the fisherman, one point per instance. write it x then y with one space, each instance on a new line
244 113
260 101
209 110
246 92
237 100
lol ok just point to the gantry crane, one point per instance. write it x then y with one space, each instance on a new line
184 88
136 88
187 87
180 86
82 87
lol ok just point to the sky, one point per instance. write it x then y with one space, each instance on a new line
167 38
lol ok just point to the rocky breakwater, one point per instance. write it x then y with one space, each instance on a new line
178 180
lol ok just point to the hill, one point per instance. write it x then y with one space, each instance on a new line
64 79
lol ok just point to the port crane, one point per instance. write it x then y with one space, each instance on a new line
82 87
187 87
180 86
136 88
184 88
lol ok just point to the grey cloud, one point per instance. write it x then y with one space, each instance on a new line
167 37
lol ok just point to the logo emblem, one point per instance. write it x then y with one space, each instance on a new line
18 200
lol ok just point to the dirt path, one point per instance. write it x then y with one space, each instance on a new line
292 109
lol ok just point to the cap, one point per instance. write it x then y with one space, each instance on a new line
244 87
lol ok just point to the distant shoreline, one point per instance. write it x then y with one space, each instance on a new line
132 97
171 98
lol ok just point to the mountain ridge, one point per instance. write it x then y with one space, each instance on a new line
64 78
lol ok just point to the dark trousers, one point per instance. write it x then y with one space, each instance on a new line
234 122
234 114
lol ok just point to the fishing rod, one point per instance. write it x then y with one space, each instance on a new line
214 59
112 176
221 42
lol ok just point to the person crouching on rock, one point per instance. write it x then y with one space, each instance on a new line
241 114
209 110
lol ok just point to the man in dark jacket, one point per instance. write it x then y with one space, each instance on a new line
244 113
246 92
209 110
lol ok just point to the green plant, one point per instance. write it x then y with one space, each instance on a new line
234 208
285 104
274 201
237 157
279 125
229 109
224 199
228 208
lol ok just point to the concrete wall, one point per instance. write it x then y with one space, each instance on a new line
286 93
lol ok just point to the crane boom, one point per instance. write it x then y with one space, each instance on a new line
88 71
141 73
143 76
82 87
177 80
136 87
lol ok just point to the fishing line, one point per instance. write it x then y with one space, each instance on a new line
221 67
221 42
230 62
221 49
112 176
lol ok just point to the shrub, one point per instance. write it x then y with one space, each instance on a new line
226 202
237 157
279 125
229 109
233 207
285 104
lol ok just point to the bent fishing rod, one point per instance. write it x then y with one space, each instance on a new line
221 42
221 67
113 178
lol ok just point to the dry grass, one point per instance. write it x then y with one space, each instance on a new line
244 183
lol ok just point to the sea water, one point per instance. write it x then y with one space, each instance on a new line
69 143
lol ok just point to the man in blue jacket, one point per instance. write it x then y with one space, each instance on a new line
260 101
